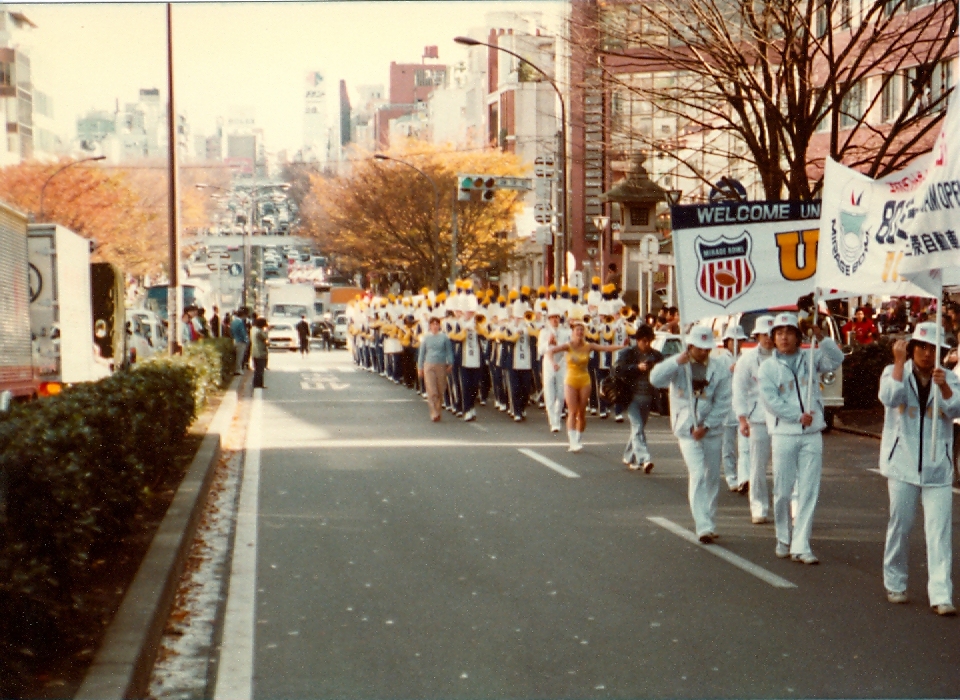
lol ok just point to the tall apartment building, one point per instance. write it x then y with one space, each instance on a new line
16 88
410 86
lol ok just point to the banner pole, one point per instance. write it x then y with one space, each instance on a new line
935 420
813 345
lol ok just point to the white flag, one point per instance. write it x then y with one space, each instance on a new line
862 242
931 230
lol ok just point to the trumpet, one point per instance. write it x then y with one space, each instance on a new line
529 315
626 312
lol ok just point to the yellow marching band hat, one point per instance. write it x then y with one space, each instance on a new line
600 304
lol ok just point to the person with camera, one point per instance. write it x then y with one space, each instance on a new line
700 399
632 372
917 469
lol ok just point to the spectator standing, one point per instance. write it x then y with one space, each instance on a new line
187 332
241 339
435 363
259 351
914 471
303 334
863 329
215 323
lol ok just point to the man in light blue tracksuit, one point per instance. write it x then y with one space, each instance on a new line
915 468
795 423
753 418
700 400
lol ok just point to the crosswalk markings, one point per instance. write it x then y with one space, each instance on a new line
726 555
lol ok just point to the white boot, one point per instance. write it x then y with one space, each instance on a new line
575 444
572 439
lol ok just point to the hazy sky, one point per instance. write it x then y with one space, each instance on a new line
240 54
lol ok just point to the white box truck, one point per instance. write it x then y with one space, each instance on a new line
16 348
290 301
61 307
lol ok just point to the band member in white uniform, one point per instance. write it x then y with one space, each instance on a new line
795 422
914 471
699 404
736 447
753 418
554 366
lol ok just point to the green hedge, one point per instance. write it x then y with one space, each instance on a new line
76 469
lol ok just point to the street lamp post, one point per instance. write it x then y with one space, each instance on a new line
43 189
560 252
436 215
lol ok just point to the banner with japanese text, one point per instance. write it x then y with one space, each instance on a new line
743 256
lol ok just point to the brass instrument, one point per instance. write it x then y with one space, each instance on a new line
479 318
529 315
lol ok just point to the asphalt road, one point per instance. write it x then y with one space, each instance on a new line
399 558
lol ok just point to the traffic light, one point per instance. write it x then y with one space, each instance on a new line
486 185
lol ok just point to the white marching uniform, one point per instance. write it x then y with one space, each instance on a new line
709 409
736 447
553 379
747 403
914 473
797 451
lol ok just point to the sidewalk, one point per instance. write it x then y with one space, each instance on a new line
865 421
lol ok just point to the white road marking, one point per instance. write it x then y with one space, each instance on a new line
481 428
559 468
726 555
235 674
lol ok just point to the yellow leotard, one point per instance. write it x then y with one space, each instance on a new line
577 375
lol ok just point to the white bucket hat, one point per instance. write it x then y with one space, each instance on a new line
701 337
763 324
786 320
734 332
927 333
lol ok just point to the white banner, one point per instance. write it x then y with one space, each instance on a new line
743 256
930 229
862 241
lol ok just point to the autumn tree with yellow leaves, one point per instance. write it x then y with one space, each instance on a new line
123 210
381 219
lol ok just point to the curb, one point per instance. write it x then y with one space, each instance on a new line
122 665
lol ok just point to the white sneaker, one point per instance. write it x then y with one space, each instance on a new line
618 418
895 597
782 551
470 415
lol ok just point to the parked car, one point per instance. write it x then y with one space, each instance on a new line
666 344
282 336
340 331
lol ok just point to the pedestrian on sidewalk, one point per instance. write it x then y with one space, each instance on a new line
259 351
916 468
435 363
241 339
700 399
634 366
303 335
795 422
577 382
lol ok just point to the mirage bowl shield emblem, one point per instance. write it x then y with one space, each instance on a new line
725 271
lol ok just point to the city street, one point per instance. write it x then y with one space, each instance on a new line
387 556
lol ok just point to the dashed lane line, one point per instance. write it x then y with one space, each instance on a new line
559 468
726 555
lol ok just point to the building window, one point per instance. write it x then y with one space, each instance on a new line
846 13
6 74
892 98
851 106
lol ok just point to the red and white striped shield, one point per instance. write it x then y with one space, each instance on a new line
724 269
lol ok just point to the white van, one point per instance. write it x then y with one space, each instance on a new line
147 334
